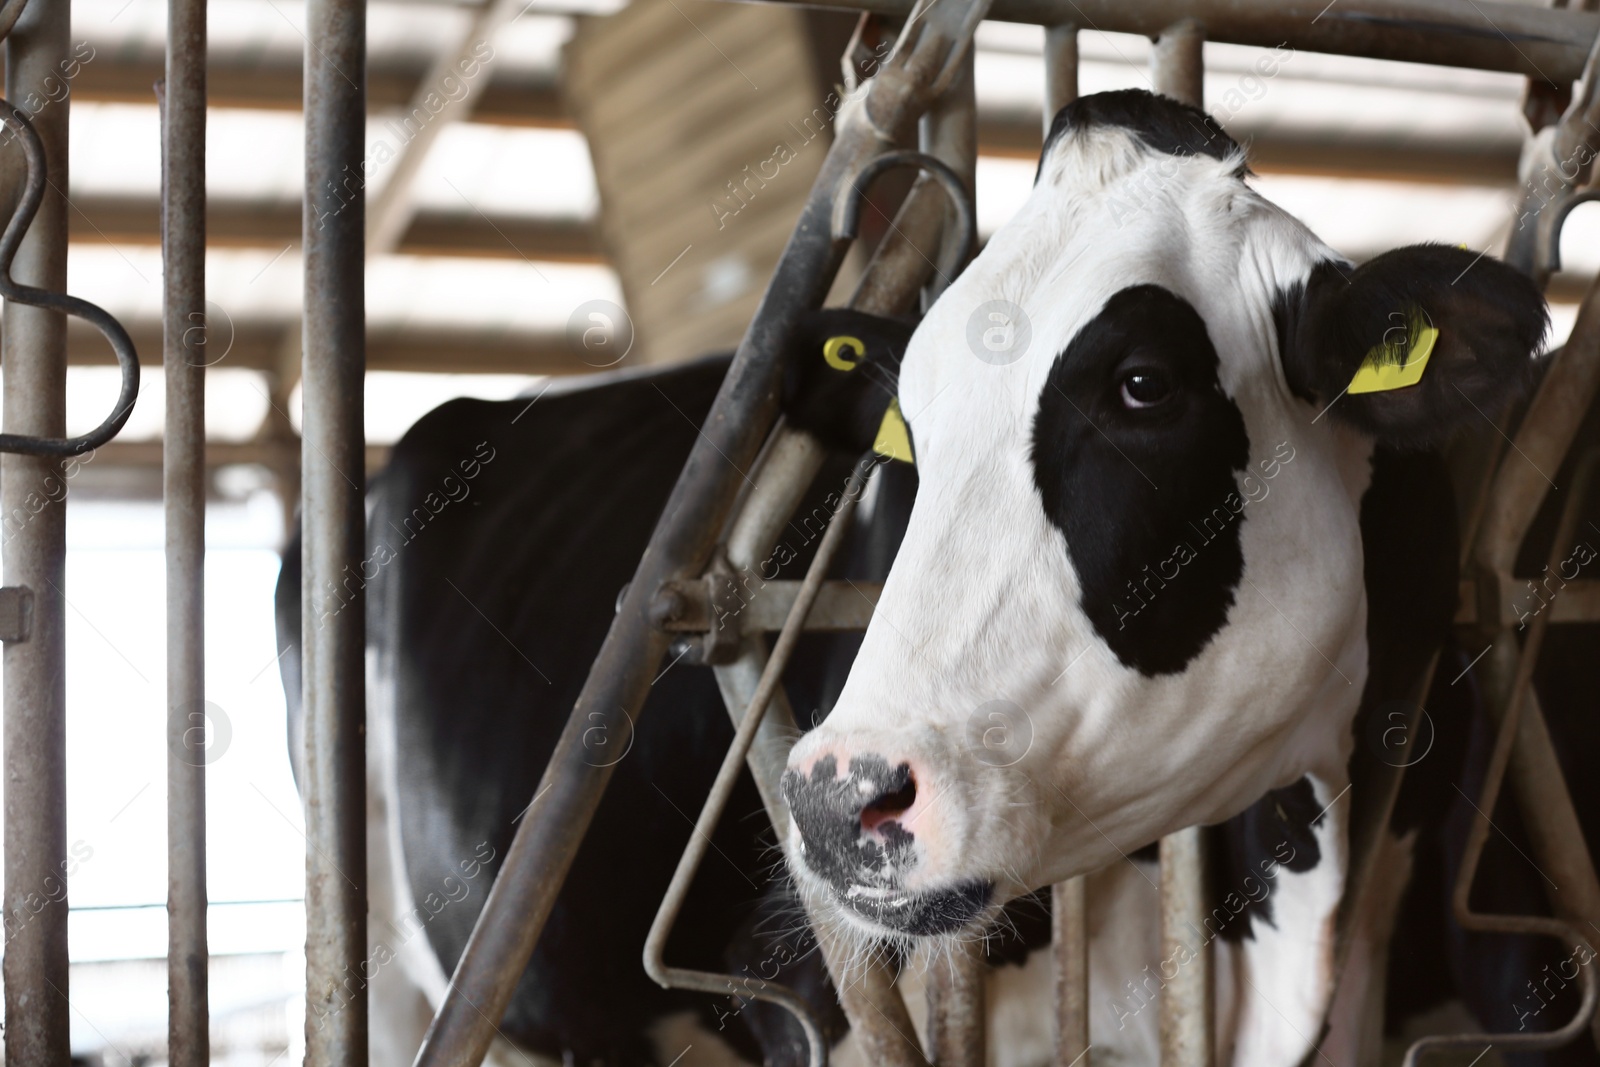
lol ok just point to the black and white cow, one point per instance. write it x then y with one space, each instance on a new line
1172 524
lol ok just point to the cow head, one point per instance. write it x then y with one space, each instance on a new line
1130 598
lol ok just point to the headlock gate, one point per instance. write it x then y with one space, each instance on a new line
709 529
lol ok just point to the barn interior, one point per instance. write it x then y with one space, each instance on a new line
614 159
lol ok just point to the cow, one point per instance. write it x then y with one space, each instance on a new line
1175 526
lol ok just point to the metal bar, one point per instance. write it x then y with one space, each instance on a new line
1519 599
1554 834
786 472
447 97
1186 1001
184 357
1069 921
1060 70
34 356
1483 35
1177 62
957 1020
840 605
1177 68
1517 697
727 777
957 1032
1541 442
745 409
949 133
333 634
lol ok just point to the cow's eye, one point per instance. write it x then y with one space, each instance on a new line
1145 388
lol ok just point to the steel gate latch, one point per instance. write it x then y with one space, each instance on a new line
16 612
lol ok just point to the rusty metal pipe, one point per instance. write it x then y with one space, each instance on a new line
1069 922
1187 1027
333 632
1535 41
33 342
1060 70
957 1016
183 472
949 133
1177 62
957 1032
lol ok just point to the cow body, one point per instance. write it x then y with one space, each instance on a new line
1170 616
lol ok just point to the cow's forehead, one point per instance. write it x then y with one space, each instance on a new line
1110 212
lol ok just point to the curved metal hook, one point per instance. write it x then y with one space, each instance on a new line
121 343
847 208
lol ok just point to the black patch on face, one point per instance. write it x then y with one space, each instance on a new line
1249 853
827 811
1161 122
1145 496
1287 309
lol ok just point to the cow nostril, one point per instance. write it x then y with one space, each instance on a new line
889 806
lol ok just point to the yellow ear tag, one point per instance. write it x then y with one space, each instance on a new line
1385 368
893 440
832 351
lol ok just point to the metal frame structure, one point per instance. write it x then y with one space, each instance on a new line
708 531
1554 45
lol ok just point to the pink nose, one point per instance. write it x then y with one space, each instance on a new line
888 806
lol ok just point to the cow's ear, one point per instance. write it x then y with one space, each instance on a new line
843 371
1413 343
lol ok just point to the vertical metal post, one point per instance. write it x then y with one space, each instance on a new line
957 1015
1069 899
183 461
1177 64
949 132
35 359
1186 1011
1069 920
1060 70
1177 70
333 473
957 1006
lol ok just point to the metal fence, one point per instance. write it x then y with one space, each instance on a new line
928 81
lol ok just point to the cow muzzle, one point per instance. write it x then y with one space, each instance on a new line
858 836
